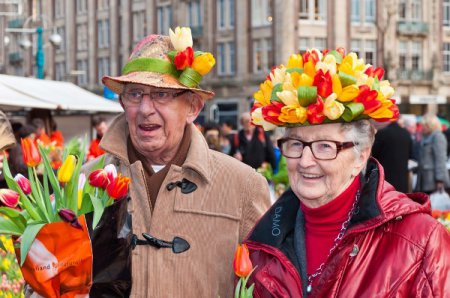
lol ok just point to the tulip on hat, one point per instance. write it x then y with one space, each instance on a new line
330 87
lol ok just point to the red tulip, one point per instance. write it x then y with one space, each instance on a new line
184 58
323 82
272 112
118 188
99 178
242 264
31 155
368 98
315 112
24 183
9 198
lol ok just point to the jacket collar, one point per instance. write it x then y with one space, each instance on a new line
197 160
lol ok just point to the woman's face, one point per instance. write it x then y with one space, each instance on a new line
317 182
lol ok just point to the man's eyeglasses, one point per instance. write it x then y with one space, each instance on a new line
134 97
321 149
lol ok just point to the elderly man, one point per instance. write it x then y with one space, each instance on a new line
205 201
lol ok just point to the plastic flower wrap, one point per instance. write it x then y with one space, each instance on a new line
323 87
45 216
193 65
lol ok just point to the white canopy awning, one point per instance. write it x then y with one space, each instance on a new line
34 93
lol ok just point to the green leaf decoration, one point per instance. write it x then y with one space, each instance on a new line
98 210
306 95
190 78
352 110
294 69
27 239
376 84
346 79
172 55
10 227
198 53
277 88
336 55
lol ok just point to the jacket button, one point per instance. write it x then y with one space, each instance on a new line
354 251
399 217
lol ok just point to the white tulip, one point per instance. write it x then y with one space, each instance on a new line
181 38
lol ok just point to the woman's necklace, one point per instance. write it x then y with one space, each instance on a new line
336 241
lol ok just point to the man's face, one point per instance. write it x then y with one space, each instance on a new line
157 121
246 122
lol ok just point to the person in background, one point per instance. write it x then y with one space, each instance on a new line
229 138
16 162
393 148
179 187
101 127
211 132
254 146
432 172
56 137
340 230
41 137
7 141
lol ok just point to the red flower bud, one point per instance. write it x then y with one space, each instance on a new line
99 178
184 59
242 264
31 155
24 183
9 198
118 188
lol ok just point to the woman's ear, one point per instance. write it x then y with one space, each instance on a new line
361 160
195 106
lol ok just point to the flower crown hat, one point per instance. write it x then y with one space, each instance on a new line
323 87
165 62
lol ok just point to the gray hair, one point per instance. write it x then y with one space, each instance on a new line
360 132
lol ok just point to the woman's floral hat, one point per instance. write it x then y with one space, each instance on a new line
323 87
165 62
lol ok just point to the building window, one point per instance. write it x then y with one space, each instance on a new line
261 12
226 58
306 43
59 8
62 32
446 17
164 20
446 53
403 53
402 9
313 10
225 14
103 68
416 54
194 13
81 6
139 25
102 4
103 33
416 10
60 71
82 67
365 49
363 11
262 55
82 43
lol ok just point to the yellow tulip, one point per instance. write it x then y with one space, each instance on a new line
66 170
289 98
181 38
203 63
263 95
295 60
305 80
328 64
349 93
280 76
309 69
332 108
386 89
293 114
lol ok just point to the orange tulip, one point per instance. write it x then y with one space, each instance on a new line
242 264
118 188
31 155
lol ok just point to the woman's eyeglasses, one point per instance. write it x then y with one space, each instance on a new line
134 97
321 149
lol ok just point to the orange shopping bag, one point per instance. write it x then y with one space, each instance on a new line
59 263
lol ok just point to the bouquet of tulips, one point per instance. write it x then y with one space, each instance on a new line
443 217
243 268
46 217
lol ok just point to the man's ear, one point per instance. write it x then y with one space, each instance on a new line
195 106
361 161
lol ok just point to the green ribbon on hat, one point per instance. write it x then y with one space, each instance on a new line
152 65
352 110
190 78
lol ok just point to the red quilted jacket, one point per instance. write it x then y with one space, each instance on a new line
392 248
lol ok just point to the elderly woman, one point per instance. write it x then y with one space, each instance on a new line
432 174
340 230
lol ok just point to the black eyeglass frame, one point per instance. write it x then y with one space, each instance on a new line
174 95
339 147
